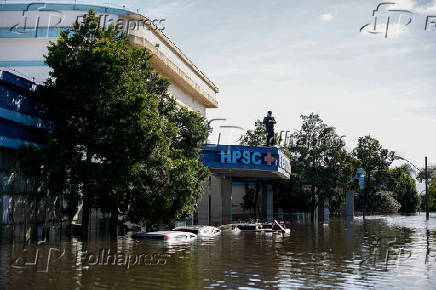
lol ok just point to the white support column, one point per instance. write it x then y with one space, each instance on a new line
203 211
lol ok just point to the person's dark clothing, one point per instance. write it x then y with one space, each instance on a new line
270 140
269 123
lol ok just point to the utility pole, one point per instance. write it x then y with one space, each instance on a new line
426 190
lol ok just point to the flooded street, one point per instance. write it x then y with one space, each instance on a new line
393 251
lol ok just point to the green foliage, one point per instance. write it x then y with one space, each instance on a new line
382 202
403 186
322 168
375 160
432 195
256 137
431 171
44 168
118 134
291 196
407 168
319 160
431 177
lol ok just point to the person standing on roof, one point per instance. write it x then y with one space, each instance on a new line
269 122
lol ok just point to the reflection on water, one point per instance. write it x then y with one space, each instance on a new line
395 251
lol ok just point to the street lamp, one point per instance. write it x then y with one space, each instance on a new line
426 180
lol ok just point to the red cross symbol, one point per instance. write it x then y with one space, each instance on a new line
268 158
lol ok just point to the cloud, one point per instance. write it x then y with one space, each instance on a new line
415 6
326 17
405 4
427 9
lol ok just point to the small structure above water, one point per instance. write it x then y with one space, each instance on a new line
240 175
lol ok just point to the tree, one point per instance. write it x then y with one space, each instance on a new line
171 188
432 195
291 196
383 202
431 171
319 160
118 134
407 168
375 160
49 176
256 137
403 187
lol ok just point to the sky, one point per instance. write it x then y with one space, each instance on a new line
298 57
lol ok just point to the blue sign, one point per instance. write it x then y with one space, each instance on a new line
361 176
245 157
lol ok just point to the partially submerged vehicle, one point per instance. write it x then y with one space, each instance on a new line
274 227
166 236
247 227
201 231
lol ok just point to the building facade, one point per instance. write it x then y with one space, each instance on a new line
25 32
27 29
24 202
240 185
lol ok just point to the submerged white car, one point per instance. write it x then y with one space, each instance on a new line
166 236
202 231
275 229
246 227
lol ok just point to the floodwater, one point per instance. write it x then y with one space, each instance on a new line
383 252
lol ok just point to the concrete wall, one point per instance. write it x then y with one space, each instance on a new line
202 215
216 199
212 188
185 99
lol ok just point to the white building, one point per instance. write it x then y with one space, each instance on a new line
25 32
27 29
